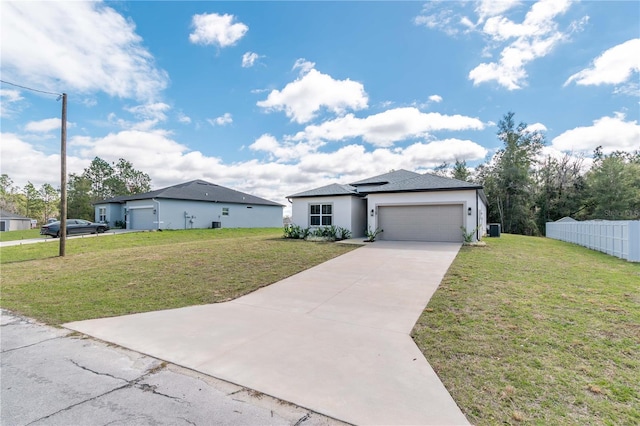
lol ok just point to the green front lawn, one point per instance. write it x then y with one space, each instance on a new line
26 234
536 331
113 275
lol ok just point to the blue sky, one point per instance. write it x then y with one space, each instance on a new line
273 98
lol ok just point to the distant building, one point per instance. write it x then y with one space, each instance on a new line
195 204
13 222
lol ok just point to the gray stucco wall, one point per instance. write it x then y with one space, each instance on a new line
358 216
180 214
15 224
115 212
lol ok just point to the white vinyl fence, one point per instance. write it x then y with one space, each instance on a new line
620 238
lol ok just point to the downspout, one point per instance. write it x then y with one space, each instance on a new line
477 218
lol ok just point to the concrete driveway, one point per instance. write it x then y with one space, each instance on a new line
334 338
52 376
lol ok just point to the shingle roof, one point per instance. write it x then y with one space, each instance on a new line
197 190
333 189
394 176
396 181
8 215
425 182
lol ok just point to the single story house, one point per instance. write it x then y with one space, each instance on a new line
407 206
13 222
195 204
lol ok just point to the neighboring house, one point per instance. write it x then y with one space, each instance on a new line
195 204
407 206
13 222
566 219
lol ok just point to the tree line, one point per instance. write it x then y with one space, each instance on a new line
100 181
526 190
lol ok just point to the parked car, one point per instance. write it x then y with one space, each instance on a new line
74 226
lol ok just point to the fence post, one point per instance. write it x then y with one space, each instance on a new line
634 241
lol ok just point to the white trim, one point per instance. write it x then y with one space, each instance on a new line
139 207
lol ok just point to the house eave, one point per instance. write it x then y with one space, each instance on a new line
358 195
464 188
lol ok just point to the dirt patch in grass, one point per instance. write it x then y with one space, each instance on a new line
536 331
123 274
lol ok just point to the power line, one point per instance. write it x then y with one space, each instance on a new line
29 88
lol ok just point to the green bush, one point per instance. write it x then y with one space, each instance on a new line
295 232
323 233
371 235
343 233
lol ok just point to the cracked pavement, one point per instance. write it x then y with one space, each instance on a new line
52 376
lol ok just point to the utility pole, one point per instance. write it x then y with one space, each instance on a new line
63 177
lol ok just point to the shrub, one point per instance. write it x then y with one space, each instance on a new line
295 232
371 235
468 236
343 233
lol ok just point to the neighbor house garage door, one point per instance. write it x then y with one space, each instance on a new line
421 223
142 218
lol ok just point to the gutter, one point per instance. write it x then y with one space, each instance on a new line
477 217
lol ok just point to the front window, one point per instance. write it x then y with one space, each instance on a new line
225 211
321 214
102 214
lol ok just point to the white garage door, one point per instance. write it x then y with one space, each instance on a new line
421 223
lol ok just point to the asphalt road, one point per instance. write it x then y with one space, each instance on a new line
52 376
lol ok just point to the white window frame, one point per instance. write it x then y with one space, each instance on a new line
102 214
324 211
225 211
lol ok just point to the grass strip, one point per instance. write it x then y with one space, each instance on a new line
24 234
537 331
130 273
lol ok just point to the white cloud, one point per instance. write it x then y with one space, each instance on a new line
616 65
303 65
387 127
7 98
536 127
612 133
45 126
435 98
143 125
519 43
18 158
184 119
151 111
451 17
534 38
249 59
443 19
148 115
284 152
219 30
10 95
489 8
89 102
85 47
223 120
313 90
